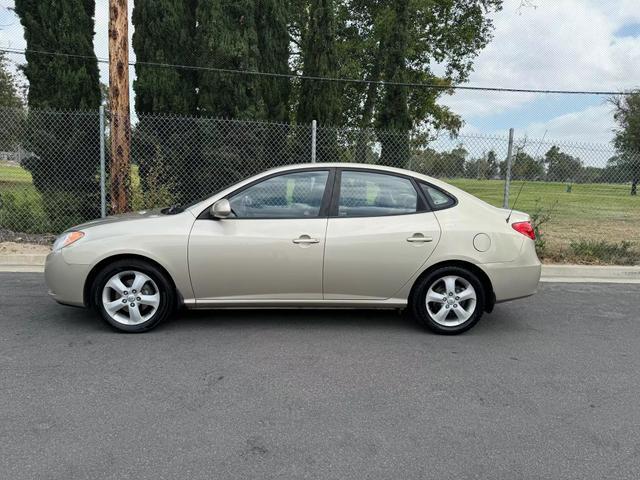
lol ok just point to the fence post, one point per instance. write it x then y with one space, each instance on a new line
507 175
314 128
103 175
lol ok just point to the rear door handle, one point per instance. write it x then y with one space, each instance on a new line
305 239
419 238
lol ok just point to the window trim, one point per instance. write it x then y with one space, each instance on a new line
422 205
427 197
324 204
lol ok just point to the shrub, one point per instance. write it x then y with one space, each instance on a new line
21 211
601 251
539 216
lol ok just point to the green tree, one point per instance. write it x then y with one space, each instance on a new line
393 120
9 89
164 33
493 167
11 128
64 147
485 167
164 148
525 167
449 164
273 47
561 167
226 37
63 26
627 137
448 33
319 100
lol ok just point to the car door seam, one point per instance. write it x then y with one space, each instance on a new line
193 290
426 260
324 251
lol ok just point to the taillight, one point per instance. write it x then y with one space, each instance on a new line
524 228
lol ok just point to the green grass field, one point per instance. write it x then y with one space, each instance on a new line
590 211
593 211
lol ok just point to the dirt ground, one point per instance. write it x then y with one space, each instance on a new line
8 248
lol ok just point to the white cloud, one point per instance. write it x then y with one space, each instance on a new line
565 44
591 125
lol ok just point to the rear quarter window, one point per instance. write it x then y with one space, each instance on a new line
437 198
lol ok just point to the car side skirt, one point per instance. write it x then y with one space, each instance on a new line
247 304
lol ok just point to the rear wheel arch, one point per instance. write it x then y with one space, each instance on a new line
97 268
490 298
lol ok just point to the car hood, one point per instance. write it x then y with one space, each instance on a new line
124 217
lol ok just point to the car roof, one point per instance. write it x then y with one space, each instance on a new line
367 166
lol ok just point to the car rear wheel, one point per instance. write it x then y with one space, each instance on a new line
133 296
450 300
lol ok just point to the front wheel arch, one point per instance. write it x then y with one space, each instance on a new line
489 295
88 283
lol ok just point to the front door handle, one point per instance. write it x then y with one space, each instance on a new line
419 238
305 239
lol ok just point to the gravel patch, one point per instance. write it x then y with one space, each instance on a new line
12 248
29 238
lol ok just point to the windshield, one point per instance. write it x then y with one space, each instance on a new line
179 208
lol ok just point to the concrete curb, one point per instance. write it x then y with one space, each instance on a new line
24 259
590 274
550 273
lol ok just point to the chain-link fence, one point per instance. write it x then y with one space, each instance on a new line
52 176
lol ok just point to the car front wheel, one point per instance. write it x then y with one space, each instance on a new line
449 301
133 296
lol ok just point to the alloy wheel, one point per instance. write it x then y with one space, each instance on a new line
130 297
451 301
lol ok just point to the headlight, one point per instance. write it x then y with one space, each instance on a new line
67 239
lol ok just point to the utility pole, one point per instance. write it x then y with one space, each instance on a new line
119 102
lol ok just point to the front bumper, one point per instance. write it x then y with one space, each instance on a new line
65 281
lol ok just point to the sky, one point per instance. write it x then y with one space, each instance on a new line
549 44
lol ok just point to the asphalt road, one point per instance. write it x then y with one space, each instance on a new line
546 387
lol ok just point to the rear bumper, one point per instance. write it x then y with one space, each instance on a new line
65 281
515 279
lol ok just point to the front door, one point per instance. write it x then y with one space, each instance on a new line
378 236
270 249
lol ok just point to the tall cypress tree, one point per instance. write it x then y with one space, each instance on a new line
227 38
273 48
64 148
165 149
393 119
164 33
64 26
319 100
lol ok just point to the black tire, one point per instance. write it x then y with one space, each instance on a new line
164 286
418 303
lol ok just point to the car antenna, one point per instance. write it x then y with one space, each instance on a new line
525 181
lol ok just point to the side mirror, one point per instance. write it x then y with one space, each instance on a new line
221 209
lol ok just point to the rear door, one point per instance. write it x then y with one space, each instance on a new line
379 233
